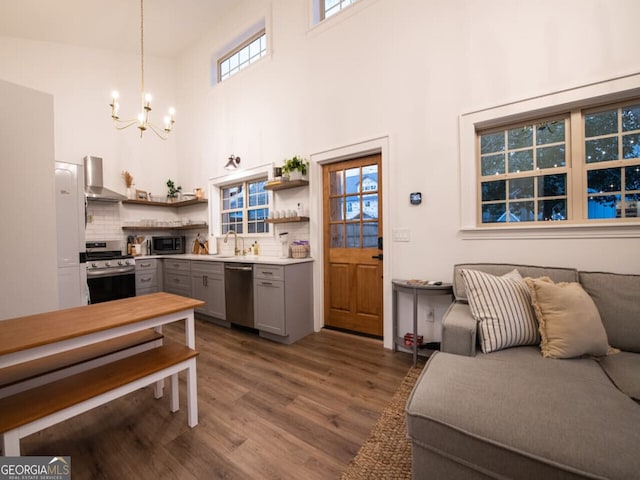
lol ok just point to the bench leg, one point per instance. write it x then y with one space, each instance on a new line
174 398
158 388
11 444
192 394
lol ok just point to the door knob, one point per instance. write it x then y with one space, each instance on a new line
379 257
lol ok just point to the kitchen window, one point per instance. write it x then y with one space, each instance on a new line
579 166
245 207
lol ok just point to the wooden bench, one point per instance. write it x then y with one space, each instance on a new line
32 410
24 376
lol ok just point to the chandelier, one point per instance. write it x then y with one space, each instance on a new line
142 121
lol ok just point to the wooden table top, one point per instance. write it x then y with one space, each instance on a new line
22 333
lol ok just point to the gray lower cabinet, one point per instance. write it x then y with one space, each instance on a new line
177 276
148 276
207 284
283 301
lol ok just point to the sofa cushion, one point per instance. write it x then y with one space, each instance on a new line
569 321
520 415
557 274
624 370
616 297
502 307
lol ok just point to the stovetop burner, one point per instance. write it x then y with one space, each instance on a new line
103 250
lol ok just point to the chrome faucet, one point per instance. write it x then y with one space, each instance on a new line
236 251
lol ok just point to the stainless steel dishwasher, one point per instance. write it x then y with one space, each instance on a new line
238 286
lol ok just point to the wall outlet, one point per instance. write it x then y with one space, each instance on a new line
400 235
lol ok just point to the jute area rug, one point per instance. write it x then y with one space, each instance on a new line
386 454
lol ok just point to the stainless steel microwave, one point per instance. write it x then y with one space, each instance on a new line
167 245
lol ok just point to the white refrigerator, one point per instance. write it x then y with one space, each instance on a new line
70 225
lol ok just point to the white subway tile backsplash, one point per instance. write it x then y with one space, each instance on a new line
105 221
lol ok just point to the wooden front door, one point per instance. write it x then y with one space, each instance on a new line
352 206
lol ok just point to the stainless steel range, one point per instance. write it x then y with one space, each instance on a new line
110 274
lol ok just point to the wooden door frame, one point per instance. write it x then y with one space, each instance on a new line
367 147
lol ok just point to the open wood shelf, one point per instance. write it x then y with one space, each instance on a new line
184 203
283 185
192 226
287 220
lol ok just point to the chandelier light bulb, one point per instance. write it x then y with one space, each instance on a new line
142 119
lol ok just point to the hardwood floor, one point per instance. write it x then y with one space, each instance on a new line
266 411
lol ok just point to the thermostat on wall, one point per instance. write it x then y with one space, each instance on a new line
415 198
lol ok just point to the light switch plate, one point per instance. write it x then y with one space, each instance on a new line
401 235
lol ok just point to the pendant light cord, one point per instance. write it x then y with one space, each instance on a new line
142 48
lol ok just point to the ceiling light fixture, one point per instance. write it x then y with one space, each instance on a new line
145 98
233 163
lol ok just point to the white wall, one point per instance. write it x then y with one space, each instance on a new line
407 71
81 81
29 282
403 70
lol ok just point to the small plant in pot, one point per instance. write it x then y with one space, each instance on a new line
295 167
173 192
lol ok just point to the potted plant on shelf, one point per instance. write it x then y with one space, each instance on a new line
173 192
295 168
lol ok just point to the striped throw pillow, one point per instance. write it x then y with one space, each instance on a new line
502 308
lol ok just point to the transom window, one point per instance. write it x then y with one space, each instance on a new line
331 7
245 207
242 56
529 172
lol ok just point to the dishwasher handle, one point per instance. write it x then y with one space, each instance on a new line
242 269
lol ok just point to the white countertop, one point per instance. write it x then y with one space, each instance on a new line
228 258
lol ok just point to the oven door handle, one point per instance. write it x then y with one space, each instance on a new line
109 272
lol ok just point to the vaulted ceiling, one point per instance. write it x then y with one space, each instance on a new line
169 25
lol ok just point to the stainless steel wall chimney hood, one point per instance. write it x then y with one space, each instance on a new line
94 189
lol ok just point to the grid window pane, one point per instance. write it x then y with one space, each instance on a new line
550 157
370 235
550 132
492 191
491 143
632 178
521 161
244 55
601 123
552 210
602 150
522 211
521 137
353 235
631 146
491 213
604 180
631 118
602 206
337 235
521 188
492 164
236 216
552 185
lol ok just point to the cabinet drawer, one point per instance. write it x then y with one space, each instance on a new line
268 272
178 266
173 282
207 268
146 265
146 279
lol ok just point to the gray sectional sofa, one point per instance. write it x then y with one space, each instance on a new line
513 413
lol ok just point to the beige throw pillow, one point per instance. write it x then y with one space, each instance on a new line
568 319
